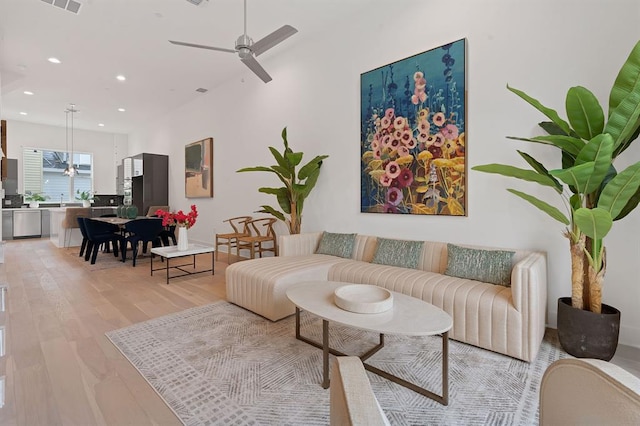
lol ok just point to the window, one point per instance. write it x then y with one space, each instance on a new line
42 173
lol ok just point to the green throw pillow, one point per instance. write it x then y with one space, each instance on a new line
489 266
398 253
337 244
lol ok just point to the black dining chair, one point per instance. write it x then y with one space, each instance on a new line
86 244
99 233
142 231
168 232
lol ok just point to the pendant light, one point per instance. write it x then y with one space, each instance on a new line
70 170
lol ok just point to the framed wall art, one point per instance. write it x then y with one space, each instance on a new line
198 169
412 134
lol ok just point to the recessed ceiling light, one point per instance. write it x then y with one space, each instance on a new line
54 60
121 77
101 124
121 109
26 92
23 113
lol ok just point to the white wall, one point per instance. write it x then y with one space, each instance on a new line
542 47
108 149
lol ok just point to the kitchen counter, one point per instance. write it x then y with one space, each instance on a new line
25 223
61 237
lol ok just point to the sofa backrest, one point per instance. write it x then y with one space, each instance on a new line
434 253
364 248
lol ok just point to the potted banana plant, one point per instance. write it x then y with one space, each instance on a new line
297 185
595 196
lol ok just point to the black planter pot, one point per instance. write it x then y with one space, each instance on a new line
585 334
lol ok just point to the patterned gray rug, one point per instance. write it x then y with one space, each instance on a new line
220 364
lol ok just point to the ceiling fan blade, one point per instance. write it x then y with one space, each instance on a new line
200 46
257 69
272 39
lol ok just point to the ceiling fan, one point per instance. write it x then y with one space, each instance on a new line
248 50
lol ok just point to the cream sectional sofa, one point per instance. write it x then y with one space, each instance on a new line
508 320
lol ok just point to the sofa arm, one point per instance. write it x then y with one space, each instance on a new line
298 244
588 391
529 282
529 294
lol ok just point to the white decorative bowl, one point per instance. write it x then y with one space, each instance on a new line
363 298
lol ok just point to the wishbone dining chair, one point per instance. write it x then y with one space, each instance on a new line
230 239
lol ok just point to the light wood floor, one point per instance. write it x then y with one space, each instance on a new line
60 369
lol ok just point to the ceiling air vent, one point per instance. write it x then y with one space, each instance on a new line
70 5
202 89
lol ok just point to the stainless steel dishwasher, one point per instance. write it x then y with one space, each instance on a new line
26 223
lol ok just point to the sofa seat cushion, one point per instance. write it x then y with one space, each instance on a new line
260 284
482 313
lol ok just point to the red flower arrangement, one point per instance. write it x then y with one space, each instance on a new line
180 218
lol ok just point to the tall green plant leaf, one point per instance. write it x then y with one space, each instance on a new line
280 160
619 191
598 150
273 212
256 169
624 121
284 139
576 176
550 113
282 194
286 174
631 205
542 205
627 80
552 128
566 143
312 165
584 112
568 160
511 171
594 223
539 167
293 158
311 181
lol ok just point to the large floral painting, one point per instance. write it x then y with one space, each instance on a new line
413 134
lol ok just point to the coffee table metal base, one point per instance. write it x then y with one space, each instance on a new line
166 256
326 350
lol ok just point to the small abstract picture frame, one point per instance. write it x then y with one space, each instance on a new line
413 134
198 169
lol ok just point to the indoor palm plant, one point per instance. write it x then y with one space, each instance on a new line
297 186
594 193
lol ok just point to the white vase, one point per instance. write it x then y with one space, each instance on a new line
34 204
86 203
183 238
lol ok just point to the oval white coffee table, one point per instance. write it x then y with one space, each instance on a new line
409 316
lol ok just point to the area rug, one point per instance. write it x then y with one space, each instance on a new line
221 364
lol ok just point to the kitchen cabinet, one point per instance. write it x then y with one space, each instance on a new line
10 184
7 225
150 187
45 216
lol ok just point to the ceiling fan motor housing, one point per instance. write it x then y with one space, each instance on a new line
243 46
